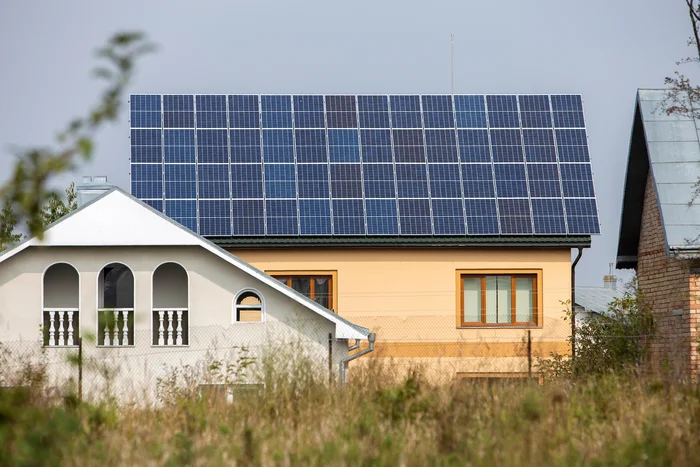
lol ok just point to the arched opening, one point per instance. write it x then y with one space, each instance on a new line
249 307
170 305
61 312
115 306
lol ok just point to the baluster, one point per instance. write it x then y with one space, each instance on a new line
179 328
170 338
61 333
125 330
52 329
115 330
108 333
161 340
70 328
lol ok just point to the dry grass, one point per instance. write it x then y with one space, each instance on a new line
297 420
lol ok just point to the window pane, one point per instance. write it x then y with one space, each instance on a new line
302 285
498 299
249 315
472 299
321 292
524 300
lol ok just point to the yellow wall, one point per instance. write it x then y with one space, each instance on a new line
409 296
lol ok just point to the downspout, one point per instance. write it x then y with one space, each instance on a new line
371 338
573 303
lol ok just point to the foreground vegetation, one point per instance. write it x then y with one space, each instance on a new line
298 421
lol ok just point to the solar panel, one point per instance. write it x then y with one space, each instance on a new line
288 165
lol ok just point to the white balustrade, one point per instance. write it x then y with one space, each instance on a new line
59 322
171 324
109 320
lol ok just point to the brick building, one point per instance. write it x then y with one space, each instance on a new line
660 230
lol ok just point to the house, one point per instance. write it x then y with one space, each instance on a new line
150 297
660 227
595 301
444 223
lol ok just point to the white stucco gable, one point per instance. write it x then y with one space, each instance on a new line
118 219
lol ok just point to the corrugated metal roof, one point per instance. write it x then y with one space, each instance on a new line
596 299
673 146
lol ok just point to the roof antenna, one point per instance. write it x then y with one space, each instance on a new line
452 40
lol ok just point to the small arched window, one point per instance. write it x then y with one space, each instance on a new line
249 308
170 298
115 306
61 320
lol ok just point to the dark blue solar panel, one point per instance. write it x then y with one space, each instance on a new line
311 146
515 216
315 216
312 180
510 180
215 217
156 204
478 181
248 217
376 145
246 181
474 146
343 146
213 181
280 181
445 181
577 180
514 153
441 145
548 216
379 181
183 211
481 216
544 180
381 217
146 146
346 181
506 146
582 216
448 217
409 146
412 180
147 181
414 215
348 217
282 217
278 146
572 145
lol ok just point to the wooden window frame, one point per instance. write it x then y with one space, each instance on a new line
332 289
535 274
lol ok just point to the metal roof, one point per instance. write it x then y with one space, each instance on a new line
668 147
596 299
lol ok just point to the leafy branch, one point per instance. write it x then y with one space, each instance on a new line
26 192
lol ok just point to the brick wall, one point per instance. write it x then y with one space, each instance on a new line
667 288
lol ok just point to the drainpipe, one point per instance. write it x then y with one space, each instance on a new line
573 303
372 337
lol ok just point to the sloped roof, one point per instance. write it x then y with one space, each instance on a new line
596 299
118 219
668 148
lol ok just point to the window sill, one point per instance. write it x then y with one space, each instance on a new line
175 346
60 346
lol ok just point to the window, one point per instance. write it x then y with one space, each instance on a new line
249 308
318 286
115 306
498 299
61 314
170 316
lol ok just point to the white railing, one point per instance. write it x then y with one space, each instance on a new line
115 327
171 324
62 325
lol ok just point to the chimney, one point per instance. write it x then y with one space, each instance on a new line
610 281
91 187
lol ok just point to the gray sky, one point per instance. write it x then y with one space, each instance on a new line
602 49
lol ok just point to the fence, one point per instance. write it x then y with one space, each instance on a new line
244 354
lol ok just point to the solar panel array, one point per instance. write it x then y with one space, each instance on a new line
287 165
